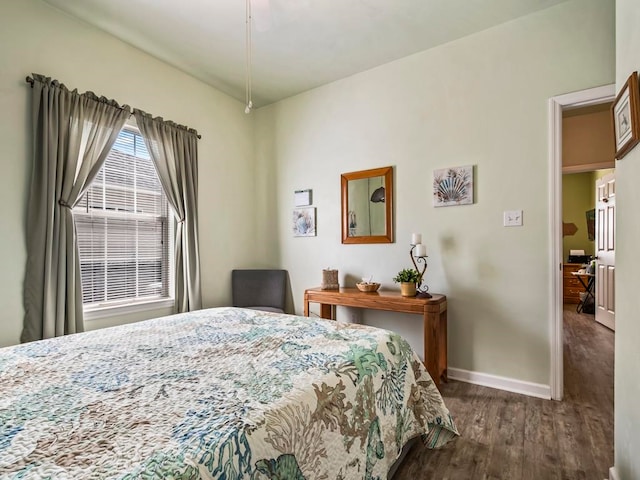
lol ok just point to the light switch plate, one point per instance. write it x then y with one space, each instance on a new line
513 218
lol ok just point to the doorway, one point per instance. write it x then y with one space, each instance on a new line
587 212
585 98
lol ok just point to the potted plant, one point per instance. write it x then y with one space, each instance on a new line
407 278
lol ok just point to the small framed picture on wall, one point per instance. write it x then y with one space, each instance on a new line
304 222
453 186
626 123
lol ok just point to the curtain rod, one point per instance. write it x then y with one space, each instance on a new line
30 80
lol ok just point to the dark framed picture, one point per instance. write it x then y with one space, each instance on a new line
626 123
591 224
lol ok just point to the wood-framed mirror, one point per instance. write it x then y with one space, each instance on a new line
367 206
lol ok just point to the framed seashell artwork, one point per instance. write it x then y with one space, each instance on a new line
453 186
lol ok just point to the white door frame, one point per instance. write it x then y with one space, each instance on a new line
583 98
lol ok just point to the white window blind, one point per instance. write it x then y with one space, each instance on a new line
123 227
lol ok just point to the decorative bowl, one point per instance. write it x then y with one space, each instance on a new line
368 287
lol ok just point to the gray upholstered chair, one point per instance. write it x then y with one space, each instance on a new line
259 289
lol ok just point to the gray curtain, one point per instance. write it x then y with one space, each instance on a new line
72 135
174 151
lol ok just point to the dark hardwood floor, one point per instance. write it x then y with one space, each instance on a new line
509 436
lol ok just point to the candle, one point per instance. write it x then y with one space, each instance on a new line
416 238
421 250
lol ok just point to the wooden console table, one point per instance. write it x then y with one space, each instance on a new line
433 310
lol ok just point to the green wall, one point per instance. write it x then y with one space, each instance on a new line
578 196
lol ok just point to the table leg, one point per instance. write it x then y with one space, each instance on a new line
588 290
306 304
443 360
432 343
326 311
590 287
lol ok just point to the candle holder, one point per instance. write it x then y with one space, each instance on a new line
423 291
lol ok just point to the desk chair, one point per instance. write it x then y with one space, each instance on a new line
259 289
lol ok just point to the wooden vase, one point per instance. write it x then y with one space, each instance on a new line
408 289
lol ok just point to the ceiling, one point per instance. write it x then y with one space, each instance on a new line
297 44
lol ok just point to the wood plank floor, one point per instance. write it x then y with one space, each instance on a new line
509 436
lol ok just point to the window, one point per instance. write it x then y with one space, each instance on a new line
124 230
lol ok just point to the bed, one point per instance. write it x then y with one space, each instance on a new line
219 393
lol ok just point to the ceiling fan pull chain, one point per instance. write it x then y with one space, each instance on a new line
247 96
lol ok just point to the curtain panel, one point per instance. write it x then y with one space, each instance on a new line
174 151
72 135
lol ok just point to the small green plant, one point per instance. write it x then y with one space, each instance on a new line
407 275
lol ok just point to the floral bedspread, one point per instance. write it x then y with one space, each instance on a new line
221 393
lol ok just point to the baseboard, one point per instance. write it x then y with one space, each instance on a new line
613 474
501 383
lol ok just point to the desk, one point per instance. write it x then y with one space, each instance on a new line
588 287
433 311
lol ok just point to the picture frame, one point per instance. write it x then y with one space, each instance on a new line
302 198
591 224
626 122
304 222
453 186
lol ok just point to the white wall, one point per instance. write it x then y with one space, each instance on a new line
481 100
37 38
627 361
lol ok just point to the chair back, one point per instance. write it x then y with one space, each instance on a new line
259 288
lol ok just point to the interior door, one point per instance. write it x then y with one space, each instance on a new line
605 250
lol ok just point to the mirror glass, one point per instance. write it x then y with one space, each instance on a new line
367 198
366 207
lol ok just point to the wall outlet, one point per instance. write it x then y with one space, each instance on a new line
512 218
